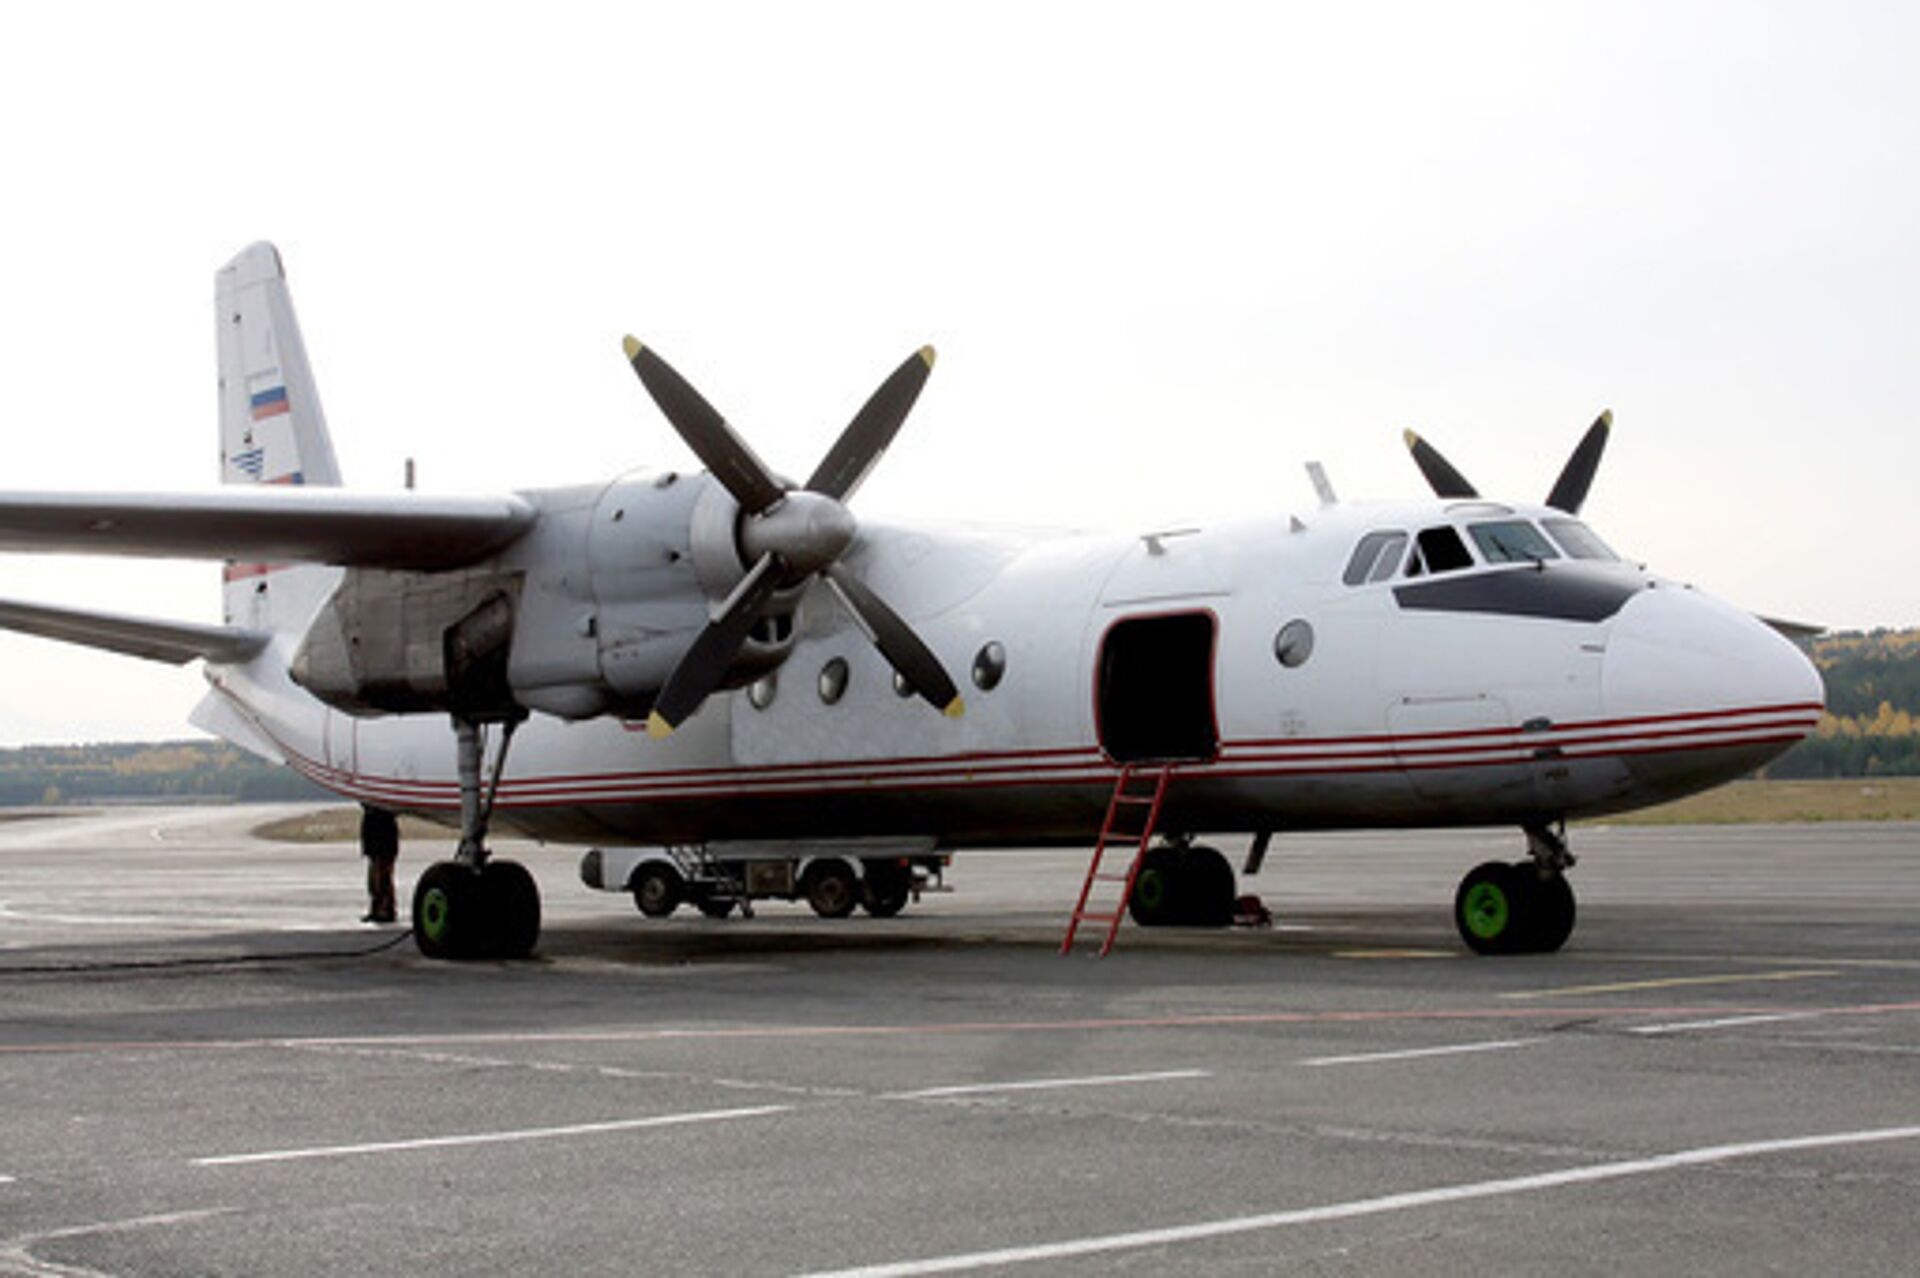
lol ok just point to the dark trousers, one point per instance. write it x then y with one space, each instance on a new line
380 902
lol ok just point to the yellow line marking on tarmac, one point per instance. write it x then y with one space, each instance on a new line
1394 954
1671 982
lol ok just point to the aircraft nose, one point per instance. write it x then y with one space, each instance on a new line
1703 691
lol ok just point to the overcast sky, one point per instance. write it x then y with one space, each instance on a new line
1167 253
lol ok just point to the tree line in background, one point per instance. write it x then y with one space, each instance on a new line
167 772
1872 724
1871 728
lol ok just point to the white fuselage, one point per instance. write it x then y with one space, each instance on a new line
1503 693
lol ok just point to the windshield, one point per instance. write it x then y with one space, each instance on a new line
1511 541
1578 540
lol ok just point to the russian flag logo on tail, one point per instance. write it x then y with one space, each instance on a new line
267 395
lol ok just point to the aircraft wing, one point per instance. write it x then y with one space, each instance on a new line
292 525
174 642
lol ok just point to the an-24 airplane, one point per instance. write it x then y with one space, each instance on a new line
1459 661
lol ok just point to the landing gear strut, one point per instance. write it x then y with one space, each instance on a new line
472 906
1525 907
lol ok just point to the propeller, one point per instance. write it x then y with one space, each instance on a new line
1446 481
1570 490
790 534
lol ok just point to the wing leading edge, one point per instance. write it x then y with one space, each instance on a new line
322 526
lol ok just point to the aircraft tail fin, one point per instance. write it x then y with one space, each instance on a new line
271 428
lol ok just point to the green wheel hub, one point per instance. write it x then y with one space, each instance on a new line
1487 911
434 909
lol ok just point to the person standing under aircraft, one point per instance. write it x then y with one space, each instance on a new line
380 844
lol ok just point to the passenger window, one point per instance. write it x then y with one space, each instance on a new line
1375 558
1578 540
1442 550
1510 541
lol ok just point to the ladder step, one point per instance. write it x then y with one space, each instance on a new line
1096 918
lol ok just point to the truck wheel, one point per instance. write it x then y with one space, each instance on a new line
658 889
886 889
831 889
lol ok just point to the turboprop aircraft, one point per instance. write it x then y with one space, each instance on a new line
725 659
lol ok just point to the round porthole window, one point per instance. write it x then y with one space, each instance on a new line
901 686
989 666
1294 644
833 680
761 691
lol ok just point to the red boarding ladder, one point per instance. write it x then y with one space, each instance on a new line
1131 799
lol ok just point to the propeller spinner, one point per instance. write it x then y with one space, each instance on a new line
790 534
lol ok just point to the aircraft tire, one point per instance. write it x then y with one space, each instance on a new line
1157 895
886 889
513 901
658 889
1553 912
448 911
1207 888
831 889
1493 907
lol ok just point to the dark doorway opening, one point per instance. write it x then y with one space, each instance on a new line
1156 689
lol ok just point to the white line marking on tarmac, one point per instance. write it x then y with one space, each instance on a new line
1045 1084
1417 1053
1724 1022
16 1255
1370 1206
489 1138
6 1180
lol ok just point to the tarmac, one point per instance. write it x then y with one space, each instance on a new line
207 1067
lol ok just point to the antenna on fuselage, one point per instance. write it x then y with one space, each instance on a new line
1321 484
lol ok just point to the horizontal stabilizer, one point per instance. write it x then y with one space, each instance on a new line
174 642
1797 631
291 525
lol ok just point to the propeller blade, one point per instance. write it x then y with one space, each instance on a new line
714 648
1570 490
1446 481
896 641
706 431
872 429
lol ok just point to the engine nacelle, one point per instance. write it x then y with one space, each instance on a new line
585 615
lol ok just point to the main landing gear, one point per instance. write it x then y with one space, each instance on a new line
1523 907
1182 886
474 907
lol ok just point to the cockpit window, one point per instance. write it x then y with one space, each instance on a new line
1376 558
1511 541
1578 540
1441 550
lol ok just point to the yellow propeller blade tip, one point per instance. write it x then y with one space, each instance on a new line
658 728
631 345
955 708
1606 415
1412 437
927 356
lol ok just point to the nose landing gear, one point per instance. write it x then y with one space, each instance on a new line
1523 907
473 907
